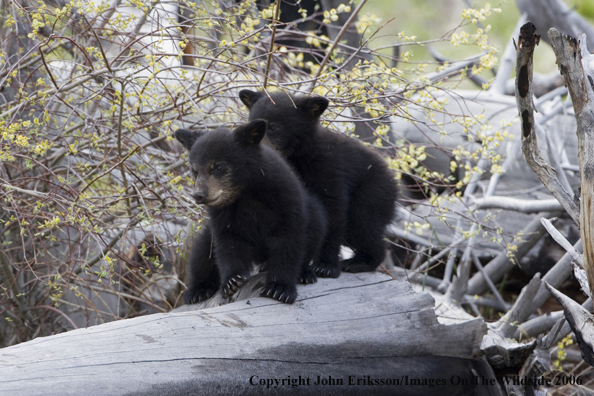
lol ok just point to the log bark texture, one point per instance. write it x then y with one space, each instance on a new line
580 321
358 325
577 66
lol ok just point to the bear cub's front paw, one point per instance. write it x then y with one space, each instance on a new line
199 292
280 291
324 271
232 285
308 276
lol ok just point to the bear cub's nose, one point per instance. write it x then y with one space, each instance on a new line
198 196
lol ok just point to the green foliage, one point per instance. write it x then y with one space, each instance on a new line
584 7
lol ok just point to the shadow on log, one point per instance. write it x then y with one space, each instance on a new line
357 331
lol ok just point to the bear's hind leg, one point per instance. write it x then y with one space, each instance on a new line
317 227
326 265
370 211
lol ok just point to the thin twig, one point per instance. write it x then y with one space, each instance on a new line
560 239
273 36
107 171
492 287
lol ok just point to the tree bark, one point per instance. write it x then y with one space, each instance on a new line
527 41
575 62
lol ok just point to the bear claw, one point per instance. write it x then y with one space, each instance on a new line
308 276
280 292
232 285
326 272
197 294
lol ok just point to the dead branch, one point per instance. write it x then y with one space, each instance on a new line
560 239
574 59
492 287
555 277
518 205
580 321
506 326
536 326
501 264
524 97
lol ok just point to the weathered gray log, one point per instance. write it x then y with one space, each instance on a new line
506 326
432 282
575 63
580 321
557 333
536 365
538 325
503 353
358 325
562 241
555 277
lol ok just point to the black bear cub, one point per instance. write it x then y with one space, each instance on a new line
258 213
354 183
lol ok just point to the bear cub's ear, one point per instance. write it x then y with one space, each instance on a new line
251 133
249 97
187 138
314 106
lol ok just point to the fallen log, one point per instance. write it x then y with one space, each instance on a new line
348 333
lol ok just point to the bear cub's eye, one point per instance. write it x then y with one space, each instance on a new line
218 168
272 128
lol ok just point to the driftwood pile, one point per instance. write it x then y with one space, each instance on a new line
553 157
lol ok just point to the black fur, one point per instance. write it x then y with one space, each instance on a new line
352 181
317 226
261 216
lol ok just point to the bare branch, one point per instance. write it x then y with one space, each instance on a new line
524 95
574 62
518 205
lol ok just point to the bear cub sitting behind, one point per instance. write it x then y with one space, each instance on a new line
354 183
258 213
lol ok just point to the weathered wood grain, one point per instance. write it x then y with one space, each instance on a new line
360 324
527 41
580 321
575 63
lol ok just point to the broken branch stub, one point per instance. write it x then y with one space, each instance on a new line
527 41
506 326
576 65
580 321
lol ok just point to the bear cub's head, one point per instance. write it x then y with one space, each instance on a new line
292 120
221 161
